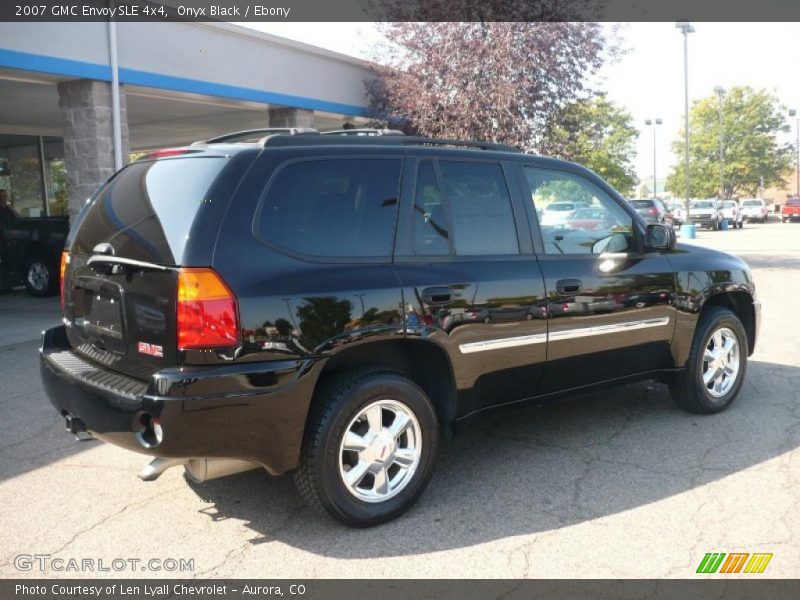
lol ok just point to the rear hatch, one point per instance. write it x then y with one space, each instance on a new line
120 291
646 208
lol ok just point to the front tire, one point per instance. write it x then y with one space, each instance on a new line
369 447
716 366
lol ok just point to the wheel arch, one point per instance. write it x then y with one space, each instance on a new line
426 363
740 302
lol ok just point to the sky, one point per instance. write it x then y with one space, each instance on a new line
648 79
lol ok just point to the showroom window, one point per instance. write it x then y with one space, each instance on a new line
33 175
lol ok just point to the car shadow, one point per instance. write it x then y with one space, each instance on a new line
32 432
538 469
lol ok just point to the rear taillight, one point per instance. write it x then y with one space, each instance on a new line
207 311
653 211
62 275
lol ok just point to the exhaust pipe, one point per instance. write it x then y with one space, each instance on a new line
200 470
197 469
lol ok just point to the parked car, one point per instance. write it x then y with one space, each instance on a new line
790 211
30 250
558 213
588 218
733 213
652 210
705 213
754 209
678 211
279 304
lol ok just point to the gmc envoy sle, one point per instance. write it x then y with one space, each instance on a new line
335 305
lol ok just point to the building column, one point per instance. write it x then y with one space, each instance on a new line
291 117
89 136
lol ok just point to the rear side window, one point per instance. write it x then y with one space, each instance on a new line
467 209
332 208
147 210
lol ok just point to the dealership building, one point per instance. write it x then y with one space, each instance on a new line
77 98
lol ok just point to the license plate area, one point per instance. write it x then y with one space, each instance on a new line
99 314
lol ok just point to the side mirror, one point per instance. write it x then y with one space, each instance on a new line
660 237
616 242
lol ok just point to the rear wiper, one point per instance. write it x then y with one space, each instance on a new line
127 262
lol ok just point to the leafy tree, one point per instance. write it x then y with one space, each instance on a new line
751 122
598 135
494 81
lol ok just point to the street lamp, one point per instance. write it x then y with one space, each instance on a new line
720 91
793 113
653 122
686 28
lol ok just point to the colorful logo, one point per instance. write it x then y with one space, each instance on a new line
736 562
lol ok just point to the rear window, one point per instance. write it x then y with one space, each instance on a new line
642 203
702 205
332 208
147 210
793 202
751 203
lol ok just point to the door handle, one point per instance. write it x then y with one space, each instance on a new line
569 286
437 296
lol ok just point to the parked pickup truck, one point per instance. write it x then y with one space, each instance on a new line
705 213
755 209
791 210
30 249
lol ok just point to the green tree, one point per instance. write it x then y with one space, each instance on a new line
598 135
752 155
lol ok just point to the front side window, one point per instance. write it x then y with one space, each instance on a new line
332 208
465 208
592 224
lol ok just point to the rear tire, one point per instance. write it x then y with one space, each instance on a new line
716 366
41 277
352 431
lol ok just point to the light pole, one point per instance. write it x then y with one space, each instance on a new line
793 113
686 28
653 122
720 91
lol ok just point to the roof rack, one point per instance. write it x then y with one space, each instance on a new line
379 140
257 134
363 132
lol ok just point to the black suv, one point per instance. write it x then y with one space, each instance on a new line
334 305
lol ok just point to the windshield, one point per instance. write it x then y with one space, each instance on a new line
729 204
590 213
793 202
751 203
704 204
560 206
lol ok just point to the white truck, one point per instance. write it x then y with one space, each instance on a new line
755 209
733 213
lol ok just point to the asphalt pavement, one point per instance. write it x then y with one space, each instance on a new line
612 484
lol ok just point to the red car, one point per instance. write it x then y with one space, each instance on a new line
589 219
791 210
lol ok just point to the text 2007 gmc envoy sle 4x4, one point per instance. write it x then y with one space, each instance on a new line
334 305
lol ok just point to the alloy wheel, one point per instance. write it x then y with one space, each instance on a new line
721 362
380 451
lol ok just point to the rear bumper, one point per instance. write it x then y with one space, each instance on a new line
253 411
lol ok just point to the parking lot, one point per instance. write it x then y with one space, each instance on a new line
614 484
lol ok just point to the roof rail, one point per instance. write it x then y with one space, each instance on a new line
379 140
366 131
257 134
